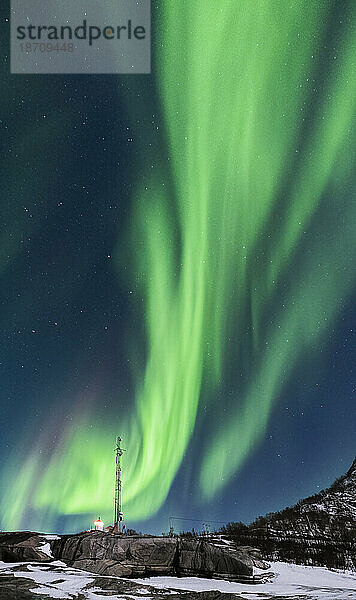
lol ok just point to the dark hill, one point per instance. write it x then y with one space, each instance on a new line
319 530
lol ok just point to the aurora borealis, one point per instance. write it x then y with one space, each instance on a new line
177 269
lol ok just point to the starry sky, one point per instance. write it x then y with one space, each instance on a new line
177 268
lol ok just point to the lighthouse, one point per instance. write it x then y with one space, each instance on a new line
99 525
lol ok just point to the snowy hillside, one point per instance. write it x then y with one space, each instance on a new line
337 502
319 530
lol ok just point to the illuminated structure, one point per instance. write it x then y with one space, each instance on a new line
99 525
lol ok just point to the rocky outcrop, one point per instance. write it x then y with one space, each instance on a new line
107 554
197 556
24 546
134 556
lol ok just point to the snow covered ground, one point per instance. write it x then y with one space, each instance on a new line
73 580
292 582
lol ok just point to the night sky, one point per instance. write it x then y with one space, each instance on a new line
177 268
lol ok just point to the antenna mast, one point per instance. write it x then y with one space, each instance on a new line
118 488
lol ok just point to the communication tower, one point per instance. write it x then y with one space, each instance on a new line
118 488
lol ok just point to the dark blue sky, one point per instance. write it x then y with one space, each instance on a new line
73 149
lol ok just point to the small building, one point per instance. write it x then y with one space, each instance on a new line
99 525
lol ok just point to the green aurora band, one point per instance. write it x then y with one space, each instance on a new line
251 143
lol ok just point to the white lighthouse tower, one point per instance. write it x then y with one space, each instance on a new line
99 525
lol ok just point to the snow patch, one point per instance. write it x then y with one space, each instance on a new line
291 581
46 549
51 592
73 583
138 597
96 596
